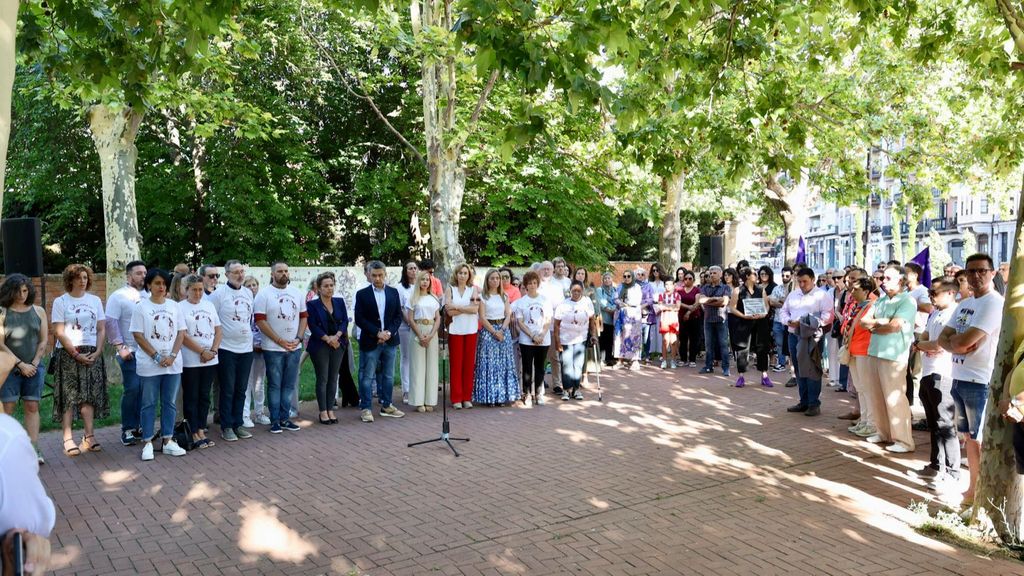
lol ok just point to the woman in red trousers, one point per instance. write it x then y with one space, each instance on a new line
462 300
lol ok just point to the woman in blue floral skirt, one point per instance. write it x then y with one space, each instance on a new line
628 329
497 382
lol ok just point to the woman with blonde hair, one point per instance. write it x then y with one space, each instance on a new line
423 315
462 303
496 381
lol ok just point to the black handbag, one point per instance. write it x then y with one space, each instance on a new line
183 435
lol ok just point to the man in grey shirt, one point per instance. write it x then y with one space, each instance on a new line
714 299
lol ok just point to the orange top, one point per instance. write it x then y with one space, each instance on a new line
861 337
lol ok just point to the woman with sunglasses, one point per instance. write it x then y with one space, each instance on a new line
629 323
856 339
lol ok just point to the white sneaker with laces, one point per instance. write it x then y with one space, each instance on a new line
467 404
875 439
247 423
171 448
263 419
664 364
565 395
147 452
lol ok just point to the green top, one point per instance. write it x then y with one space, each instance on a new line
895 346
22 332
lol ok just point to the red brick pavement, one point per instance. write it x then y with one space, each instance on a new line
674 473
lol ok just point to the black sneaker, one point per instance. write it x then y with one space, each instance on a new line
920 425
557 390
797 408
128 438
290 426
707 371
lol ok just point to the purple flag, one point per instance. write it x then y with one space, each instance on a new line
922 259
801 252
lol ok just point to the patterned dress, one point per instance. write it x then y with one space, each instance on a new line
629 324
496 380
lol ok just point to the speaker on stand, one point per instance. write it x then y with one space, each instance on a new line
23 249
711 251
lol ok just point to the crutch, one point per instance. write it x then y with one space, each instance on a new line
597 369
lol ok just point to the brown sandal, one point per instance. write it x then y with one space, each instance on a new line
89 444
73 450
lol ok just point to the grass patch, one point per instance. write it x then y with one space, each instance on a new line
948 526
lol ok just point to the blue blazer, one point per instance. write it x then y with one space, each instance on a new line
317 322
368 319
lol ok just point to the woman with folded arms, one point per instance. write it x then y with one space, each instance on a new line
462 304
496 380
423 314
691 324
23 333
80 379
328 327
199 357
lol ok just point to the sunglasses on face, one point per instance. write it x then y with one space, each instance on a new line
627 275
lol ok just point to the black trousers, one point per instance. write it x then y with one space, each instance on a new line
940 413
607 342
327 365
751 334
690 334
195 394
533 367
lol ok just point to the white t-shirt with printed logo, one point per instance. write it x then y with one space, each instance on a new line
80 316
941 363
159 324
534 313
201 322
282 307
574 320
986 314
234 308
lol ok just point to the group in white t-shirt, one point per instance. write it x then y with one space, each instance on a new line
536 315
201 322
234 308
159 324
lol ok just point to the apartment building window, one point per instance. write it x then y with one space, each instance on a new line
983 244
1004 256
984 205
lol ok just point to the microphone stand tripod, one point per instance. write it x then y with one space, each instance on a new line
442 342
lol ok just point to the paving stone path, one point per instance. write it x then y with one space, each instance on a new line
673 473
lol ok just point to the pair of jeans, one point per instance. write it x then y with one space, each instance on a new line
716 338
779 332
327 365
970 399
375 365
165 388
131 399
936 396
808 388
233 374
195 387
282 377
572 357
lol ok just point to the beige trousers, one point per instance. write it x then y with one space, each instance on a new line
858 364
423 372
887 382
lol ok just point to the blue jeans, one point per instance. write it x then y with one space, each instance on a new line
572 365
377 364
970 399
716 336
282 377
24 387
779 333
164 387
810 390
645 348
233 373
131 399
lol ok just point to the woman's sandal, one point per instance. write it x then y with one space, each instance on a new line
89 444
73 450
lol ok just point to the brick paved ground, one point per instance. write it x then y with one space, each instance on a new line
672 474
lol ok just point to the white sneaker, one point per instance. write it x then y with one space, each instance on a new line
247 423
147 452
527 401
875 439
672 365
541 401
899 448
467 405
263 419
565 395
664 364
171 448
866 431
457 405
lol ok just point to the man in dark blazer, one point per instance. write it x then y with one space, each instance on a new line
378 313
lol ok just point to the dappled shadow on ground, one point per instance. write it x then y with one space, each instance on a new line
672 463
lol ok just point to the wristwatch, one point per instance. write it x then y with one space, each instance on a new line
1016 403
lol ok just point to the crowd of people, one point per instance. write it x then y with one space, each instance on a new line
187 343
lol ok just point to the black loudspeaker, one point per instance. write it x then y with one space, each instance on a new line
712 251
23 246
